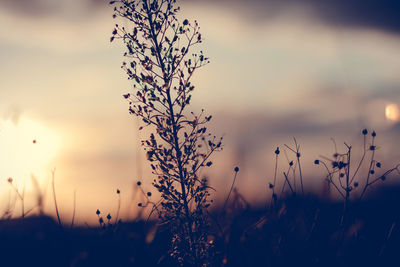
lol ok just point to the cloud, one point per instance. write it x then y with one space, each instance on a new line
28 7
68 8
380 15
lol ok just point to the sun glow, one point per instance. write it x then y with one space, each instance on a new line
26 148
392 112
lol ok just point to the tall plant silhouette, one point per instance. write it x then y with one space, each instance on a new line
161 63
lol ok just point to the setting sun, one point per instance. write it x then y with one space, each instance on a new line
26 147
392 112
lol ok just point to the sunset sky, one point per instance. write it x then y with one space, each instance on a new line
313 69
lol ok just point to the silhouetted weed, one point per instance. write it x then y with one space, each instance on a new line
161 64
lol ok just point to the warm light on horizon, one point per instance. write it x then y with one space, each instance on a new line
27 147
392 112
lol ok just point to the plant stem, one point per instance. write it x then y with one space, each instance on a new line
174 126
73 213
230 191
54 196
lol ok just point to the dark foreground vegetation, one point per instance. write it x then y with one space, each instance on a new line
298 231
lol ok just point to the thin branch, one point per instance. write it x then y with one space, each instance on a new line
54 196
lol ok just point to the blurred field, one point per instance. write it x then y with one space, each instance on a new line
299 231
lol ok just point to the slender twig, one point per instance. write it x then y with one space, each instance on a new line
296 151
298 162
54 196
369 171
153 209
387 239
293 169
330 179
230 191
361 160
73 212
276 168
19 195
119 206
287 180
